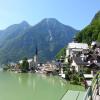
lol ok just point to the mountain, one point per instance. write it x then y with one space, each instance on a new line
49 36
91 32
13 31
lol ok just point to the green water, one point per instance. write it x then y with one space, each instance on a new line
14 86
30 87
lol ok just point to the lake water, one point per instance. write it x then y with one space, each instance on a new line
30 87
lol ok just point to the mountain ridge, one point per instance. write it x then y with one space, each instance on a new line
49 35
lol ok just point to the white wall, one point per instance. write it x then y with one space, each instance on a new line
77 68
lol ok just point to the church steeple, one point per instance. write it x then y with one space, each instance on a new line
36 55
36 51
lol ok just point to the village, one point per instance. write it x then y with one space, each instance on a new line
79 66
84 59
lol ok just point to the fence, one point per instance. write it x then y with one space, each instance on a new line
93 90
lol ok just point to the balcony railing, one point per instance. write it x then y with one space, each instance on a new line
93 90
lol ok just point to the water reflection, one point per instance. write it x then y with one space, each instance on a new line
19 80
31 80
30 87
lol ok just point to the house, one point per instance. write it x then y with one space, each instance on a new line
94 61
74 48
90 60
78 63
96 47
79 55
47 68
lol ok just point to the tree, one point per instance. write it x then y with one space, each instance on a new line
99 37
25 65
91 32
62 53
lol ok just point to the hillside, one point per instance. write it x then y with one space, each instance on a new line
90 32
49 35
13 31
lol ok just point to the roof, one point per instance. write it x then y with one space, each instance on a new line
79 61
21 61
85 51
78 45
93 43
98 64
88 75
94 57
30 60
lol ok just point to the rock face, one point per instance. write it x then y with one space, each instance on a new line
20 40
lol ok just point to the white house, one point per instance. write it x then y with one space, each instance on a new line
75 47
78 63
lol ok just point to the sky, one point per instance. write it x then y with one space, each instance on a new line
75 13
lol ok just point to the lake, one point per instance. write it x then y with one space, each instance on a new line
30 87
20 86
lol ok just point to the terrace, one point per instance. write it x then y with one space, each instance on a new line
92 93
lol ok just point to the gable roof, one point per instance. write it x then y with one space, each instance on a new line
78 45
79 61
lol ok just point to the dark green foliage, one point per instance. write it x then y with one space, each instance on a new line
87 70
62 53
68 75
81 79
25 65
49 36
91 32
98 37
75 79
6 67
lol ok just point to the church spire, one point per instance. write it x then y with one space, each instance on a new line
36 54
36 51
